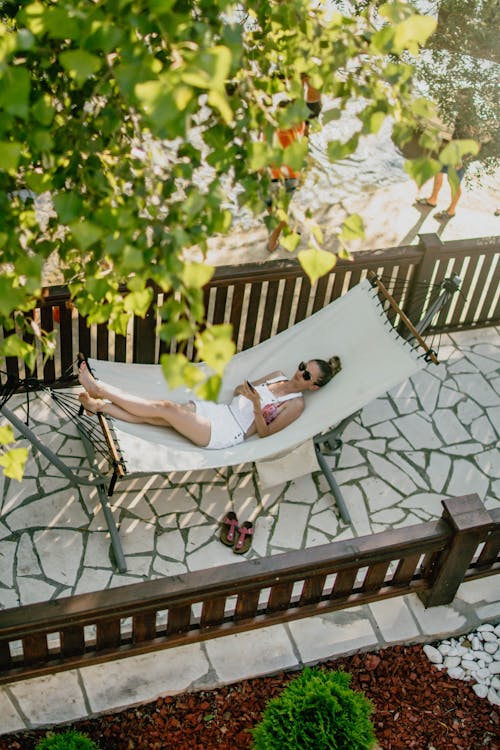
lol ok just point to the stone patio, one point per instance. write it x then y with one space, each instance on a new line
433 437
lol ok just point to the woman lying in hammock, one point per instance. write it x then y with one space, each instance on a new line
264 407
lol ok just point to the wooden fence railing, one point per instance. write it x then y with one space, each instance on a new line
430 559
261 299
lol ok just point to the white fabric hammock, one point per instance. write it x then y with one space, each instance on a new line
374 360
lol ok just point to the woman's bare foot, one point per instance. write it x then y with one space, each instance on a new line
87 380
91 405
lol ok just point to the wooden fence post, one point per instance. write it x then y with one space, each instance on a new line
415 304
470 523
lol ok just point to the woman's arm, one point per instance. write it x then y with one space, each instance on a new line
288 412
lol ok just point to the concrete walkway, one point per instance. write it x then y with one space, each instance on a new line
433 437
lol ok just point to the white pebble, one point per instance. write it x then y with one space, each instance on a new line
489 637
493 697
487 627
444 648
456 673
469 664
496 655
475 643
480 690
453 651
495 667
497 630
486 658
491 647
433 654
451 661
495 683
483 674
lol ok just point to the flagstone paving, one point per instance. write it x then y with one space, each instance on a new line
433 437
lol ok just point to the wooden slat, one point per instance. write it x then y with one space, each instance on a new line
269 310
251 321
247 603
236 309
108 633
344 583
67 353
179 619
35 648
286 305
144 627
312 590
72 641
102 341
212 612
280 596
47 322
406 569
304 295
375 576
220 305
83 336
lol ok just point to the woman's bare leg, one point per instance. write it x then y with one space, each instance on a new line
180 417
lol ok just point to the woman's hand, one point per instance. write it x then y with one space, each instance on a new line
250 393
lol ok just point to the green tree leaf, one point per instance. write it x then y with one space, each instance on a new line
80 64
215 347
13 463
10 153
316 262
352 228
422 169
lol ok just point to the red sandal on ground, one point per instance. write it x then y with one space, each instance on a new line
244 538
229 526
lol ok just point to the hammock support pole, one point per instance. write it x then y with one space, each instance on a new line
74 478
103 497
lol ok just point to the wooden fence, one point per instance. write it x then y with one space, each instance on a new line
261 299
430 559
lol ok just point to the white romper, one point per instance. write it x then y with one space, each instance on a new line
230 422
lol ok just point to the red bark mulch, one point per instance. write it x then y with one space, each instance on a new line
416 706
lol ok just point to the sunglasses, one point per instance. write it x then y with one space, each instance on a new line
305 372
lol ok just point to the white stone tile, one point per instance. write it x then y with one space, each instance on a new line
333 634
384 430
465 479
463 449
394 620
50 700
350 456
8 598
430 502
357 509
97 550
10 721
270 496
137 536
175 500
61 510
245 504
18 492
137 679
314 538
418 457
92 579
60 553
290 526
171 544
489 462
483 364
214 554
354 431
33 590
400 444
301 490
419 478
482 430
215 501
199 536
436 621
250 654
438 470
376 446
138 565
326 521
379 495
467 411
448 397
390 473
428 389
193 518
482 591
378 410
4 531
262 535
7 556
167 568
418 432
344 476
477 388
448 426
388 517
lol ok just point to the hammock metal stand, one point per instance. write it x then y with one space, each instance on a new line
326 443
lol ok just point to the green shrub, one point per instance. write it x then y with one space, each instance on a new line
316 711
69 740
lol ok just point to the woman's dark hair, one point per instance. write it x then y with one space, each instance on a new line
328 369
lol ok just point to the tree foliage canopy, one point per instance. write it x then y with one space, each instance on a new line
139 118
